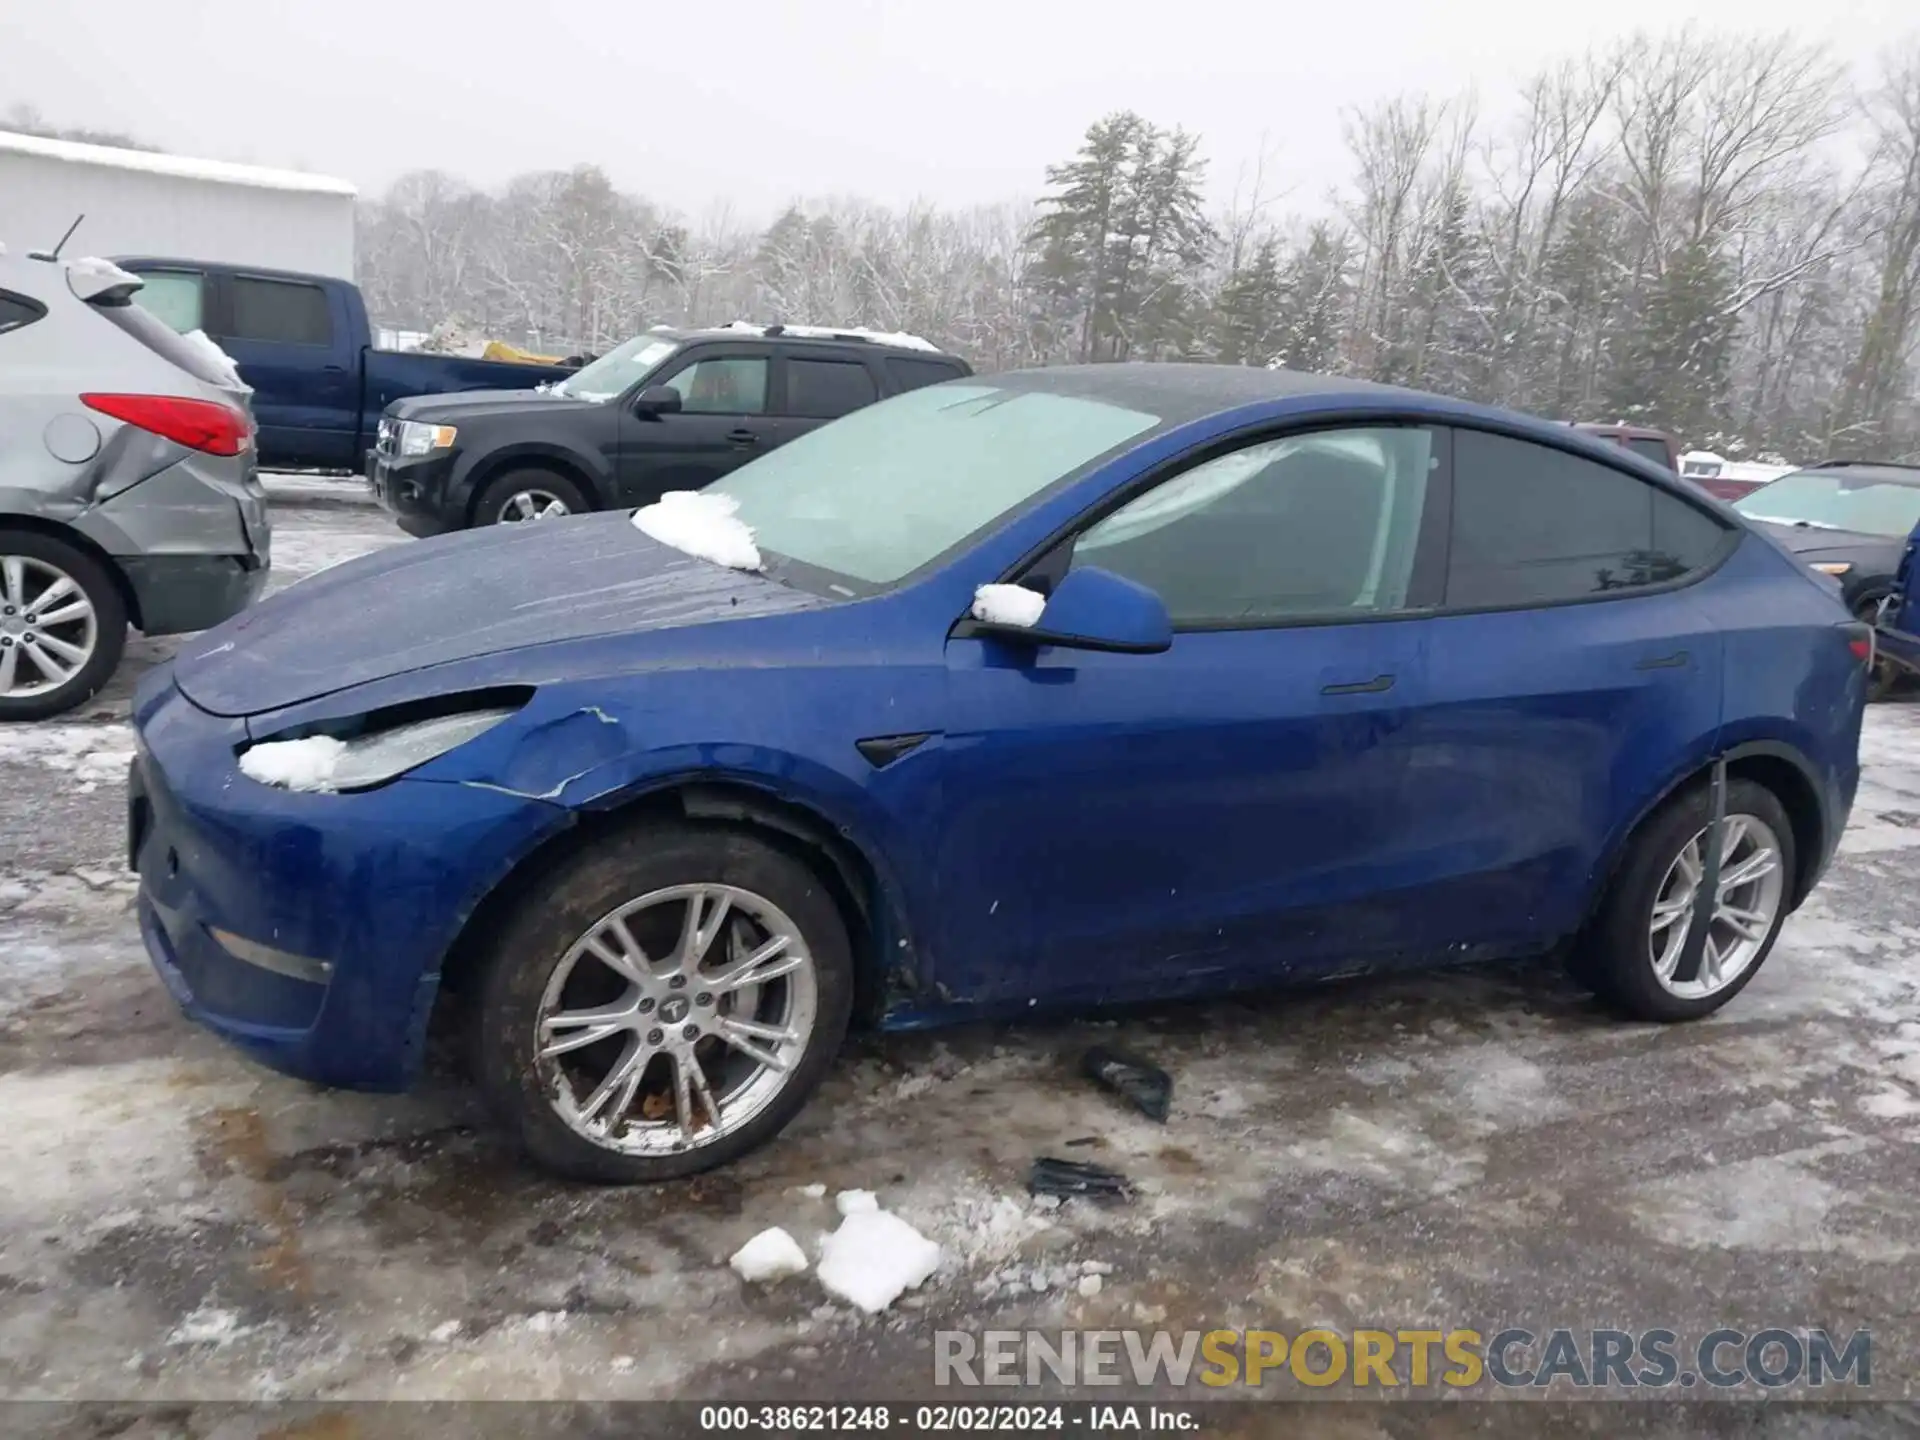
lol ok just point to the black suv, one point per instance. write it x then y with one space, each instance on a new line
668 410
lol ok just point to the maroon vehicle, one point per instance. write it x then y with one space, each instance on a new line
1663 449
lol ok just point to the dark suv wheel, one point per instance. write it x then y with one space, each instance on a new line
522 495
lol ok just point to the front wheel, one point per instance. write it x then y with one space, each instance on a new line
1633 955
522 495
63 625
664 1003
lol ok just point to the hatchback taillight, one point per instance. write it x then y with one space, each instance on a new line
1860 641
198 424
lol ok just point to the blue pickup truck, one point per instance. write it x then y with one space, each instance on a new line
304 344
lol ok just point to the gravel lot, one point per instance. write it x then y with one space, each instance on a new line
1477 1148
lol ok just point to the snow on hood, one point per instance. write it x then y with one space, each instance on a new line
701 525
475 593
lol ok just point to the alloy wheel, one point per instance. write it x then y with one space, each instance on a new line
675 1019
48 629
1751 889
525 505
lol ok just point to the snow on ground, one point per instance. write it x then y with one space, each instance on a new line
874 1258
771 1255
702 525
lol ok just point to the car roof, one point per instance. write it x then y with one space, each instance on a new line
908 347
1625 431
1890 472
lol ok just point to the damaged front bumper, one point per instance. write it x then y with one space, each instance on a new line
307 929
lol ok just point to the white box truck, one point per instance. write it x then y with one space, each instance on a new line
137 202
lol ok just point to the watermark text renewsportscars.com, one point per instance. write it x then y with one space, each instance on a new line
1514 1358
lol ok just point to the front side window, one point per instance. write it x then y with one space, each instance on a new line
176 298
1533 525
1840 499
732 386
828 389
907 372
282 312
1309 526
1654 450
892 487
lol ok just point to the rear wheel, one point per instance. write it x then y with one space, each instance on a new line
522 495
1633 955
62 625
663 1004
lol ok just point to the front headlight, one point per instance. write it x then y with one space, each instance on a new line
417 438
1833 567
324 763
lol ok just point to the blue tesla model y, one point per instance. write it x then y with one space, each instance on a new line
1057 688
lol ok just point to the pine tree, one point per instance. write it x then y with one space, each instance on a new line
1118 243
1250 309
1673 372
1316 296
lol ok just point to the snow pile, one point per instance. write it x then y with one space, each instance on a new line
307 764
771 1255
98 275
900 339
1008 605
856 1202
221 362
874 1257
702 525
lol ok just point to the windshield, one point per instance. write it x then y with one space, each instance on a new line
879 493
1836 500
615 372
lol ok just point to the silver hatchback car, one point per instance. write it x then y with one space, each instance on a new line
128 489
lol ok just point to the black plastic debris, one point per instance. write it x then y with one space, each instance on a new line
1143 1084
1075 1179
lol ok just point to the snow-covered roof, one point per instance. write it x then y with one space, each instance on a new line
897 338
220 172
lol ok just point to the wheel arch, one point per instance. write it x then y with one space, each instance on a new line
533 455
884 952
1778 766
66 534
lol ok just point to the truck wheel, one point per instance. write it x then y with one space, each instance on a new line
521 495
62 625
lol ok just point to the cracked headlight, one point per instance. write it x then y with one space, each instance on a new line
417 438
325 763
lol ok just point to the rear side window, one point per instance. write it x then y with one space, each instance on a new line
1654 450
828 389
906 374
1533 525
17 312
166 343
176 298
284 312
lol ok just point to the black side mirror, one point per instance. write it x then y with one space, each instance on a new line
658 400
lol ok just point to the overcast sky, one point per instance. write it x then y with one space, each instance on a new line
757 102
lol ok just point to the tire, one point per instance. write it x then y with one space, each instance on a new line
538 964
514 491
36 563
1616 957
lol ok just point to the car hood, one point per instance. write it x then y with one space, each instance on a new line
1811 540
458 597
483 405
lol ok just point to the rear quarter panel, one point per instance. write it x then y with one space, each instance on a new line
1790 679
